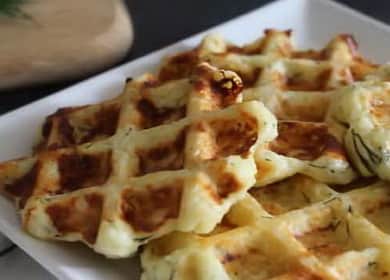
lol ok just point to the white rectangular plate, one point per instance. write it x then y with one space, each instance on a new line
314 22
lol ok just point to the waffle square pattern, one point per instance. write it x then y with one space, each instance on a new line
118 193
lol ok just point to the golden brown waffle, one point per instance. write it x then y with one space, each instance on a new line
118 193
295 229
145 103
293 84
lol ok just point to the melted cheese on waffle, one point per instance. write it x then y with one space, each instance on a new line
117 194
293 84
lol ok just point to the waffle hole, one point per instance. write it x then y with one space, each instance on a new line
374 207
379 216
151 116
328 234
77 125
164 156
78 215
290 194
149 207
79 171
98 125
23 187
305 141
234 136
299 82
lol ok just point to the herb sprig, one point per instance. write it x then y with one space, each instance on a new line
11 8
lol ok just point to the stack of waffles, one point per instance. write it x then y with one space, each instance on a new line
250 162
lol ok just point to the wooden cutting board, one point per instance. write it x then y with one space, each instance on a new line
64 39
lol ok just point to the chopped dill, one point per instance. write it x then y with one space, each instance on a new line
12 8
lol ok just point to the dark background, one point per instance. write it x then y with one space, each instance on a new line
158 23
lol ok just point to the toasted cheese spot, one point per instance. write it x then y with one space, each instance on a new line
23 187
248 75
298 82
305 141
148 208
152 116
380 109
166 156
78 216
235 136
102 123
81 170
225 86
179 66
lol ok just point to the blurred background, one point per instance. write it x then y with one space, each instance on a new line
159 23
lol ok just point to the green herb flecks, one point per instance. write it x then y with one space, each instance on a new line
367 156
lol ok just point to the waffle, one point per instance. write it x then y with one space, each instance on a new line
293 84
119 192
294 229
148 103
362 114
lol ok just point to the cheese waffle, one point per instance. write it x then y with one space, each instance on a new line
362 114
146 102
118 193
295 229
293 84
